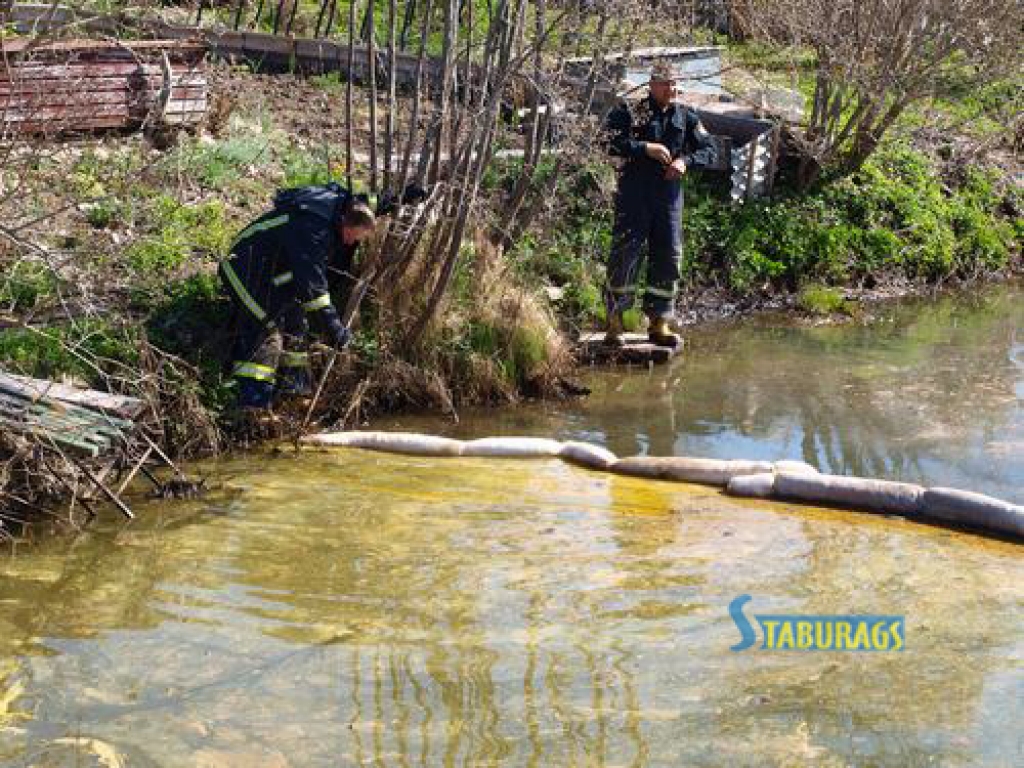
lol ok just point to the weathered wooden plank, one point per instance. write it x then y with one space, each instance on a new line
179 49
96 85
91 84
69 101
184 118
72 100
66 114
40 417
79 71
122 407
90 424
184 107
636 350
48 127
83 430
106 64
65 441
72 434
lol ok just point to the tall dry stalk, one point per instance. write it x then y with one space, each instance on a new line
486 62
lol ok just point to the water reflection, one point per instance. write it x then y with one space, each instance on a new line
932 392
360 609
356 609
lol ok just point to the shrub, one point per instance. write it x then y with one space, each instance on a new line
84 350
821 300
176 232
214 165
25 284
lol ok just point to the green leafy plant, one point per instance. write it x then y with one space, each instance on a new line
176 232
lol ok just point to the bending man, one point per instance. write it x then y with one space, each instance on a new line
277 278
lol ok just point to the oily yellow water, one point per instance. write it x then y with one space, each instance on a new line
361 609
353 608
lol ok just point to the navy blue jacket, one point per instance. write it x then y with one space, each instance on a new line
283 256
631 125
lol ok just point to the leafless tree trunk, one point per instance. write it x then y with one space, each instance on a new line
875 58
371 74
349 106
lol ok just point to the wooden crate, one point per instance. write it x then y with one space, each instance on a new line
87 85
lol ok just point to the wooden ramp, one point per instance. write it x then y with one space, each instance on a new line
637 350
94 432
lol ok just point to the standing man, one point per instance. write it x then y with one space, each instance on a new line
277 277
659 140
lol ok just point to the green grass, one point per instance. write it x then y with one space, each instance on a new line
762 56
218 164
84 350
896 218
176 233
24 284
822 300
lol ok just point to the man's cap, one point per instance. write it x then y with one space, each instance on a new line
662 72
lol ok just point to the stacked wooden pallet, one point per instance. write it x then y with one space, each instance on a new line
84 422
84 85
95 434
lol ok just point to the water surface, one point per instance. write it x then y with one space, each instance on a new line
930 391
349 608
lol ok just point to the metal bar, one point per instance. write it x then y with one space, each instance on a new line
154 480
163 456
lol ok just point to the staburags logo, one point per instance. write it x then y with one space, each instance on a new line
782 632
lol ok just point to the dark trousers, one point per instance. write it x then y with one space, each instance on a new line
647 212
271 361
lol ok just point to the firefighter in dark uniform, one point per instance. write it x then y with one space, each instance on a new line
659 140
277 276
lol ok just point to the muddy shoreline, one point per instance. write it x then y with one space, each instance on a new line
710 307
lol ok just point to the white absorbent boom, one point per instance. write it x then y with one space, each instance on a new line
792 480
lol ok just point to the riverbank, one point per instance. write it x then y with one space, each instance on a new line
112 283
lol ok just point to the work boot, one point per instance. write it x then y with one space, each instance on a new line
613 334
294 383
662 335
254 424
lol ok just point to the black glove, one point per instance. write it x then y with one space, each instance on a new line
387 204
340 336
414 193
702 158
